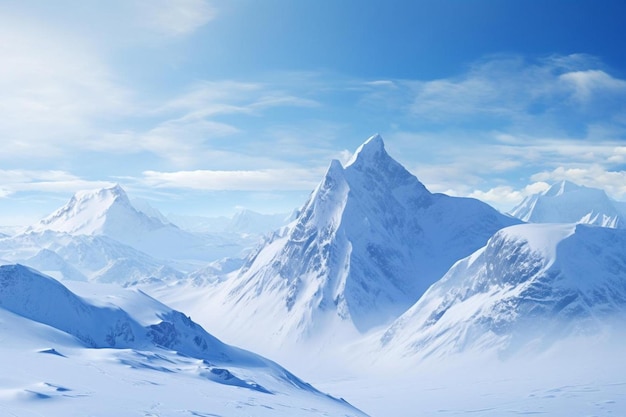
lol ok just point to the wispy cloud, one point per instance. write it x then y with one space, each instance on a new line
589 83
214 180
510 92
593 175
211 98
51 93
507 196
174 17
49 181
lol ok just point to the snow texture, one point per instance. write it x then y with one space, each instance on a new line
530 286
136 337
100 236
365 246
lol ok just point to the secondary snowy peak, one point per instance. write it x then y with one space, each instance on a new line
531 284
561 188
103 211
367 243
108 212
566 202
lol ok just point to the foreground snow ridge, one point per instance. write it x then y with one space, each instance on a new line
145 336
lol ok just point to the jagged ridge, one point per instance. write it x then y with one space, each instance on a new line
368 242
530 282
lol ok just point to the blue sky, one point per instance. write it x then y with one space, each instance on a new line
203 107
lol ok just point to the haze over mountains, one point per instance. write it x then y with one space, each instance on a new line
373 269
99 235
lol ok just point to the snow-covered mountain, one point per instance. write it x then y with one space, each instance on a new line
566 202
531 285
145 348
100 236
108 212
84 258
105 211
146 208
366 245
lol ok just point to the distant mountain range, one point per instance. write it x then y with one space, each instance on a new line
566 202
99 235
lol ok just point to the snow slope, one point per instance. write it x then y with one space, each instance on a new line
566 202
366 245
147 357
530 286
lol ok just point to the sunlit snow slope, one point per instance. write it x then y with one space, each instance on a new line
100 236
366 245
108 212
148 357
529 286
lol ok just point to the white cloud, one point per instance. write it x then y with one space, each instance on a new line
505 197
613 182
619 155
216 180
527 95
52 91
211 98
50 181
587 83
174 17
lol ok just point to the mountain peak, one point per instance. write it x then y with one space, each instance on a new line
561 188
89 211
372 148
367 243
567 202
117 189
106 195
